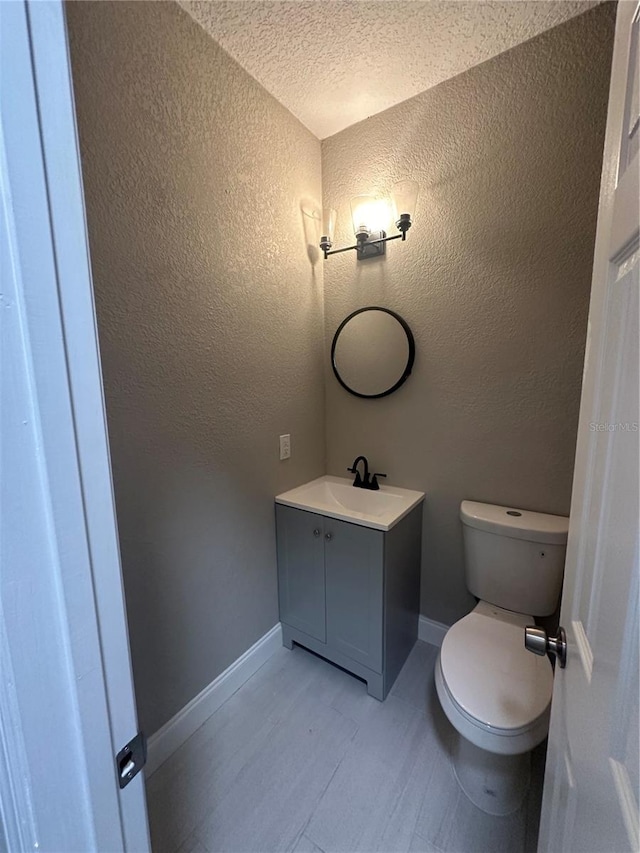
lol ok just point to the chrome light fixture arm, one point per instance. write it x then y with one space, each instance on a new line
365 244
361 245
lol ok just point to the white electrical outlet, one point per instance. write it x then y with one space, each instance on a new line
285 446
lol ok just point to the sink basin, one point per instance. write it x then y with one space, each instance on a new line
336 497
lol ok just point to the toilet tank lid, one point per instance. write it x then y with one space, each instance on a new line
515 523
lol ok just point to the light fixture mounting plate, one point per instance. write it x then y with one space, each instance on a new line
370 249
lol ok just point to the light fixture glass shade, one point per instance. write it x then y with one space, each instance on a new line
362 213
329 216
405 196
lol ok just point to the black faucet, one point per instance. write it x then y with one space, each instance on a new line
360 482
364 482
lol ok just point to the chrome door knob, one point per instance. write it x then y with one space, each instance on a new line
537 641
328 537
316 532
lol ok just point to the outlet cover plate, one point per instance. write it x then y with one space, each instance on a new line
285 446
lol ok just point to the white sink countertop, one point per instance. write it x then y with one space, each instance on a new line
336 497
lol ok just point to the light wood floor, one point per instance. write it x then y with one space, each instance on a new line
302 759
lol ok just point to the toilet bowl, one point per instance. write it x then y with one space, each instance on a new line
491 688
497 695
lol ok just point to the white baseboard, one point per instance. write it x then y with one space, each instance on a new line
430 631
173 734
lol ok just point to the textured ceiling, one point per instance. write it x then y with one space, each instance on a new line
335 62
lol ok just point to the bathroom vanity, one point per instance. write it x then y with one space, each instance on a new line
349 575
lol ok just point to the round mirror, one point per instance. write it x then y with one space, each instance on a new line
372 352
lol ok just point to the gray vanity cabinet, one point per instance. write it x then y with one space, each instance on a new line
350 593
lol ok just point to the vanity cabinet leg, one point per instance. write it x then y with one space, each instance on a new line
375 687
287 642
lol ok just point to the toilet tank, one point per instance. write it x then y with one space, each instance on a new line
514 558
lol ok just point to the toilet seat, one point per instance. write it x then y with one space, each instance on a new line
495 692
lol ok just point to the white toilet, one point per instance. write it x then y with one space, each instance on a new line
496 694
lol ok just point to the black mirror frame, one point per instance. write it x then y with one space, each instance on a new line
410 359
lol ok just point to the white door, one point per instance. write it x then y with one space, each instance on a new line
591 784
66 692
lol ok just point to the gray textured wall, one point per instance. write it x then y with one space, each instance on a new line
211 330
494 280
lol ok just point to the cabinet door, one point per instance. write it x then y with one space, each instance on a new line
301 582
354 571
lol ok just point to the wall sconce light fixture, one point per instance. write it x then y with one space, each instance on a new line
369 217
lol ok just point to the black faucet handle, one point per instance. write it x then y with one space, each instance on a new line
374 481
